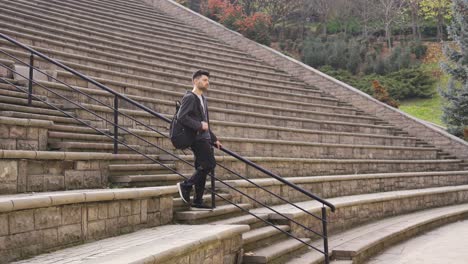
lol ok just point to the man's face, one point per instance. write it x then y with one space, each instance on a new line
202 83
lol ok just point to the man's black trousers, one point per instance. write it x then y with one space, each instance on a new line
204 163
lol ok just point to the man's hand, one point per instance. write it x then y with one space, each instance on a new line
218 144
204 126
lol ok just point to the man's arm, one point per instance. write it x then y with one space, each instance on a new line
183 116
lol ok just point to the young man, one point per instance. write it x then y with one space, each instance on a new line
193 114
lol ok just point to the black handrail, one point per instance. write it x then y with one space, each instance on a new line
116 127
160 116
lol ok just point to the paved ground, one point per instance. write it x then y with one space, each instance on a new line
445 245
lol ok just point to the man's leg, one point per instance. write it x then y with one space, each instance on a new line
205 163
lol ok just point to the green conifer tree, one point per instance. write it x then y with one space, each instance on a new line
455 109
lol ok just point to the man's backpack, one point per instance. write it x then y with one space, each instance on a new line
180 136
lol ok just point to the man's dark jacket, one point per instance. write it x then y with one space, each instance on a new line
191 115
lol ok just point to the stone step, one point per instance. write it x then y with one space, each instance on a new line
42 222
146 180
159 54
252 118
298 167
261 237
252 221
122 62
196 216
354 206
143 70
297 149
329 186
230 106
56 119
68 136
253 131
21 105
52 8
180 205
203 243
64 28
122 81
139 169
276 253
357 244
91 147
77 129
118 33
7 90
167 25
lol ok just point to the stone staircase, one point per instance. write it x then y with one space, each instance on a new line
382 179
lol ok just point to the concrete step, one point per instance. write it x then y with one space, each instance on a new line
120 81
253 221
91 147
179 242
357 244
65 28
297 149
77 129
7 90
225 101
264 236
252 118
376 206
67 136
56 119
146 180
276 253
196 216
343 185
21 105
139 169
180 205
172 73
159 54
122 63
297 167
102 30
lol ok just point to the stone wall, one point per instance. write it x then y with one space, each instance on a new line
39 229
328 187
23 134
20 175
355 213
342 91
225 251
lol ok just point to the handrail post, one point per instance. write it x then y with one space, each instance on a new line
213 197
116 124
325 234
31 76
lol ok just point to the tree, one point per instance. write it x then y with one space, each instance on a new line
456 108
323 9
414 8
391 11
440 10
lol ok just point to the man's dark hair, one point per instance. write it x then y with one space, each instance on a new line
200 73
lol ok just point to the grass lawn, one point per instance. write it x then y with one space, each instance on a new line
425 109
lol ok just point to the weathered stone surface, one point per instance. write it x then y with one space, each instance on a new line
47 217
21 221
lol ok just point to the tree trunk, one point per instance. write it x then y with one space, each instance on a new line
388 36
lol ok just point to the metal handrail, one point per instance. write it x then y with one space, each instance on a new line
162 117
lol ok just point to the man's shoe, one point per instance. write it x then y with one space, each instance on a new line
200 206
184 193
